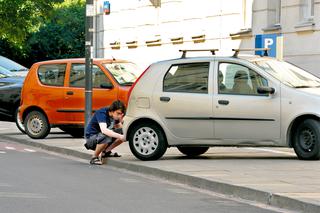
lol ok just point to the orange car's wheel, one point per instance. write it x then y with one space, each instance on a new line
36 125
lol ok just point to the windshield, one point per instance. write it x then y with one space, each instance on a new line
11 65
124 73
289 74
5 73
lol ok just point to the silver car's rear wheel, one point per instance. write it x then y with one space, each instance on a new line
193 151
147 141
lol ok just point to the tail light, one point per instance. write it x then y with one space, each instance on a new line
129 93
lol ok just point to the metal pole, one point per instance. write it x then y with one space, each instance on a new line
88 72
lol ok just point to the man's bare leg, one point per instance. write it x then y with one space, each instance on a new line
99 149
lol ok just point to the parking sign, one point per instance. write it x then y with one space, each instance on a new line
272 41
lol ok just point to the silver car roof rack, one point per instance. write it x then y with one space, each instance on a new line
236 51
184 52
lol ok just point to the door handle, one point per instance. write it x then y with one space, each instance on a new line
165 99
69 93
223 102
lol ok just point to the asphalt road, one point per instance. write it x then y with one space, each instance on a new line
33 180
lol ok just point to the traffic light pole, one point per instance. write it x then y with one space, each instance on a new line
88 69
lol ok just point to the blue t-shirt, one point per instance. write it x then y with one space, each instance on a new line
100 116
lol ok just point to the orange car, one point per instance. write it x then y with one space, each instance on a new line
53 93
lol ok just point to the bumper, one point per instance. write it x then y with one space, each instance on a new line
126 124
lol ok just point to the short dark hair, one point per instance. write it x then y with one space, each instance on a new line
117 105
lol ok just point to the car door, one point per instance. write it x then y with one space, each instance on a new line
183 99
49 95
103 92
242 115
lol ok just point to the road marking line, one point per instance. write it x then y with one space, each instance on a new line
2 152
129 180
10 148
29 150
21 195
270 150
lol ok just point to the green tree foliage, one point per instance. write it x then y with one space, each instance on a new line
63 36
20 17
56 30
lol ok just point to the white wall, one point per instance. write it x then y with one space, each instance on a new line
139 20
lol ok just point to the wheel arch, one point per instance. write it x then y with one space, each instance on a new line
294 124
33 108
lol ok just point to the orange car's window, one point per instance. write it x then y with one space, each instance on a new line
52 74
77 76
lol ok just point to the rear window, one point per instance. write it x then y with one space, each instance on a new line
52 74
187 78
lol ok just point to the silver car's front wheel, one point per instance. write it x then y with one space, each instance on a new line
147 141
306 141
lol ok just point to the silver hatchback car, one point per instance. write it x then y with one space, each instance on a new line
199 102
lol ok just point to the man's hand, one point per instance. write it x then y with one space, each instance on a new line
122 138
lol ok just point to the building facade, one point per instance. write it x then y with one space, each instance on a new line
145 31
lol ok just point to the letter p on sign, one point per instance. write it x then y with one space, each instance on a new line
268 42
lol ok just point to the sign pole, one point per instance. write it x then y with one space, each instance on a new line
88 67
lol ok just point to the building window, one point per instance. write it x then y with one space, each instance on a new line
278 12
247 13
307 10
274 13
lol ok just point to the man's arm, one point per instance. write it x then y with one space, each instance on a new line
110 133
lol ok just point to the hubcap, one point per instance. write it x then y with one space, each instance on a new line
145 141
35 124
307 139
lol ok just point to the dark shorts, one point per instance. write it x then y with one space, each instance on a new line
100 138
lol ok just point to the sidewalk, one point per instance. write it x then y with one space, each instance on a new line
270 176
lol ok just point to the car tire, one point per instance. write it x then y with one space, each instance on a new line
74 132
306 138
36 125
147 141
18 122
193 151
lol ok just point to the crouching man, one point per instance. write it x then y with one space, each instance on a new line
104 131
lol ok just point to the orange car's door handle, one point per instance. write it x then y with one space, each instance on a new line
69 93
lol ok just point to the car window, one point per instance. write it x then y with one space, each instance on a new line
52 74
289 74
188 78
238 80
77 77
124 73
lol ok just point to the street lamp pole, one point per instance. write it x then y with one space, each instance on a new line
88 69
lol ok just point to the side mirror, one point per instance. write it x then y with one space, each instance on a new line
106 86
266 90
